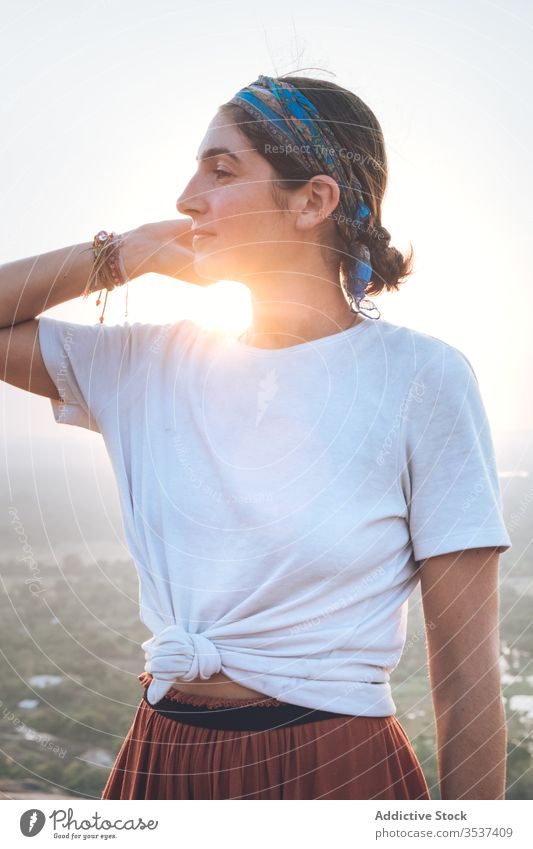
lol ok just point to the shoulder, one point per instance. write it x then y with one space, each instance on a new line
140 331
117 347
153 337
423 356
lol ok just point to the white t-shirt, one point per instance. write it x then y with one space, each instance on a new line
276 501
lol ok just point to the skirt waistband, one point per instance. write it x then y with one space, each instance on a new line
252 716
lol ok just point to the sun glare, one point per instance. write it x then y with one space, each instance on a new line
225 306
154 299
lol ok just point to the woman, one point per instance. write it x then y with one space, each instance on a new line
284 492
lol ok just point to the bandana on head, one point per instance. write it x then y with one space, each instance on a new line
292 122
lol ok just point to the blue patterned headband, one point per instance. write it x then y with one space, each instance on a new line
293 122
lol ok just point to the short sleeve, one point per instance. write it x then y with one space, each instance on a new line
448 466
84 362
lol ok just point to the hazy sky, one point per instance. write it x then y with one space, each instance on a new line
104 105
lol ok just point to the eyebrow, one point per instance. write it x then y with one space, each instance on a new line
217 151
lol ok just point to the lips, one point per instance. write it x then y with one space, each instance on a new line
199 231
198 238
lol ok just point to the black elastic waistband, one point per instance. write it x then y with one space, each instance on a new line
246 718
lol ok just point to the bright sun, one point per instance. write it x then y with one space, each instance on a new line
226 306
155 299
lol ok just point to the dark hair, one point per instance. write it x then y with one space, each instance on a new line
359 134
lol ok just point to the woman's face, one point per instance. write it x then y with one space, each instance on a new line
229 197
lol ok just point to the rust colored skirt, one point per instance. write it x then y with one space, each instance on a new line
351 757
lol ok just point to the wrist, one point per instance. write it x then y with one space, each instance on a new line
136 253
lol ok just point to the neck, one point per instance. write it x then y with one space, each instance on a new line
286 314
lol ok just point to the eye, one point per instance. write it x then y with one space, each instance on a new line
222 172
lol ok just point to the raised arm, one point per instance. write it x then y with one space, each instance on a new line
32 285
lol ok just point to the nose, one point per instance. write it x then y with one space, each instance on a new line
191 201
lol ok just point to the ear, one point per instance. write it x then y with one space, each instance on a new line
315 201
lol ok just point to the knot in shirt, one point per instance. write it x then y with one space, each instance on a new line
175 653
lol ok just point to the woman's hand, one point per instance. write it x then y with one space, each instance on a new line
145 678
162 247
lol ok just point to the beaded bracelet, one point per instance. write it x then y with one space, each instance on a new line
108 267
